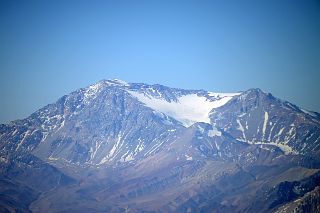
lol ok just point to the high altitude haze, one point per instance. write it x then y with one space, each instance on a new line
49 48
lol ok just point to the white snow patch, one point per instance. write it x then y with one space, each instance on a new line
217 146
291 130
14 132
266 117
127 157
188 157
91 92
271 130
53 159
140 146
96 148
114 149
243 114
156 146
201 129
285 148
280 132
241 129
22 140
62 123
188 109
214 132
104 160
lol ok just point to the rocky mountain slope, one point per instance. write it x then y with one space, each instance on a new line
117 146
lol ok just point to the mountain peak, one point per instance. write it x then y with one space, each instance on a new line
113 82
256 91
118 81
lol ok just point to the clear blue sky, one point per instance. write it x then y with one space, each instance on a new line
50 48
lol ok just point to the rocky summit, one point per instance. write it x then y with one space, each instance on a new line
132 147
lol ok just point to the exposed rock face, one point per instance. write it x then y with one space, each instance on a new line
257 117
310 202
116 147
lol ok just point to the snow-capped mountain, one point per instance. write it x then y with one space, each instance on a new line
141 140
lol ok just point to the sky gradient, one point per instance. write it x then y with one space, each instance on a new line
50 48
